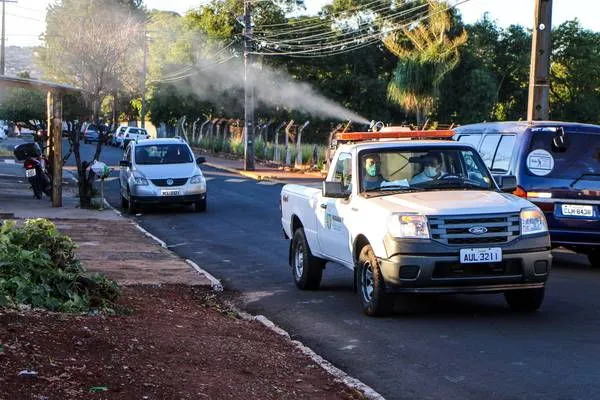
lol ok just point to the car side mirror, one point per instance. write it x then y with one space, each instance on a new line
507 183
124 163
200 160
334 190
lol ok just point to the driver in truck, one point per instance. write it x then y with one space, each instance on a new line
372 178
432 169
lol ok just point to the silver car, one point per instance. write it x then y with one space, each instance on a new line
161 171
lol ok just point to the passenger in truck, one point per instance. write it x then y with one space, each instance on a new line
432 169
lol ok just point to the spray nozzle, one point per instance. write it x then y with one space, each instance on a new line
375 126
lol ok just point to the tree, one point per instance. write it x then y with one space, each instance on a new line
575 74
25 106
89 44
426 53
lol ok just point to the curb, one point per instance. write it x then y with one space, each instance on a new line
351 382
215 283
251 175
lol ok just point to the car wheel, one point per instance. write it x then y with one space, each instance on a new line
525 300
306 268
131 208
374 300
124 203
594 257
200 206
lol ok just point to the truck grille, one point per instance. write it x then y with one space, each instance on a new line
454 230
163 182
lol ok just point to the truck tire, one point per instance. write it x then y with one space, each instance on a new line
371 285
525 300
307 269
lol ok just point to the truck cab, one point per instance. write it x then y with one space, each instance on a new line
416 212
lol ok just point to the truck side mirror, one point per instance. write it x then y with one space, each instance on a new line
507 183
334 190
200 160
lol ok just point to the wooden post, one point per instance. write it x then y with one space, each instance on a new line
538 107
55 132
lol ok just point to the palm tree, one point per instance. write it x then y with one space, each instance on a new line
426 53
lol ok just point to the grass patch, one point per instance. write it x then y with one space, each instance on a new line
4 152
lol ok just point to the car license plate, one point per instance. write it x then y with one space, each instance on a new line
29 173
577 211
484 255
170 192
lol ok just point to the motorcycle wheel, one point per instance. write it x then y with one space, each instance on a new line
36 186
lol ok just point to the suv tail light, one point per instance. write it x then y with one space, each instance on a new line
544 206
520 192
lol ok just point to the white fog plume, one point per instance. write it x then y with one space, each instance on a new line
272 88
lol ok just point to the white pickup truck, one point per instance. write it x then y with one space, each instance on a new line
416 216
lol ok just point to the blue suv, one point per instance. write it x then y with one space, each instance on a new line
557 167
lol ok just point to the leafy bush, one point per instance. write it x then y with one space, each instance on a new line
38 267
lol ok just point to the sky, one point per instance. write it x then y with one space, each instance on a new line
25 19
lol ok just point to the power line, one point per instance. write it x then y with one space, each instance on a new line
358 42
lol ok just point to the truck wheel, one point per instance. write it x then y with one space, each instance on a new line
526 300
594 257
375 301
306 268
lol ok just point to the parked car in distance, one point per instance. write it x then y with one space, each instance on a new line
557 166
118 135
133 134
91 134
161 171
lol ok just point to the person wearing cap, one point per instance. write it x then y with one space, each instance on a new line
432 169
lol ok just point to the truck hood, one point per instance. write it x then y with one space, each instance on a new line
452 202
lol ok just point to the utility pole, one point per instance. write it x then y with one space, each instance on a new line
2 58
248 90
538 108
143 108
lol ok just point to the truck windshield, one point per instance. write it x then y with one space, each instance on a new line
431 168
577 159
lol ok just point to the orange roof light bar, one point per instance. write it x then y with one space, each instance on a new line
400 134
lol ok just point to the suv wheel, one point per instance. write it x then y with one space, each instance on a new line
371 285
306 268
525 300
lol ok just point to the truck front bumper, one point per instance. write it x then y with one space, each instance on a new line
522 267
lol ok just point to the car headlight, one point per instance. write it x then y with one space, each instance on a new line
533 221
139 179
197 179
408 226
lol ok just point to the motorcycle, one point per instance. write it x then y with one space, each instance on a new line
37 168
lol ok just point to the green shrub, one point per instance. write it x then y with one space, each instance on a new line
38 267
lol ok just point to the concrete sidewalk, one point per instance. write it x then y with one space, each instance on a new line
108 243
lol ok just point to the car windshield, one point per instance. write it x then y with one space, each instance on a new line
156 154
420 169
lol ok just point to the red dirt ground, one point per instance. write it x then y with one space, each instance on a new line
178 342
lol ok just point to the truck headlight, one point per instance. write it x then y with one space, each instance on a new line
408 226
533 221
139 179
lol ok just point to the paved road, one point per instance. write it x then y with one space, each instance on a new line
460 347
